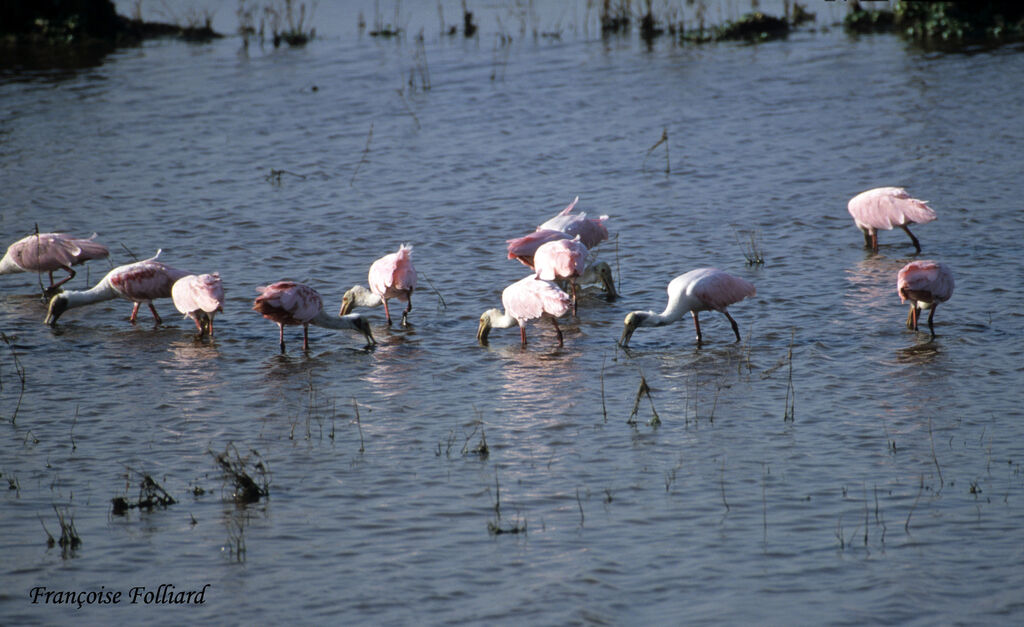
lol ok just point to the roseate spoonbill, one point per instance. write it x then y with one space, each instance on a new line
139 282
287 302
391 276
696 291
199 297
528 298
925 284
884 208
46 252
561 259
600 272
591 231
524 248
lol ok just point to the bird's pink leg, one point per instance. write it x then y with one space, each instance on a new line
71 275
522 334
696 325
156 316
735 327
135 313
198 326
558 331
209 322
874 241
387 314
917 245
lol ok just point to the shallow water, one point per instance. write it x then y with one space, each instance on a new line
892 496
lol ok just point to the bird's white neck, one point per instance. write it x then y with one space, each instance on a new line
363 297
102 291
501 320
7 265
327 321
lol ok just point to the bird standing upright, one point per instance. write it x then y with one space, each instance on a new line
527 299
884 208
47 252
925 284
697 290
199 297
140 282
391 276
290 303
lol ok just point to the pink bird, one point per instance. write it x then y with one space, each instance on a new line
140 282
391 276
564 259
884 208
199 297
47 252
287 302
527 299
697 290
591 231
925 284
524 248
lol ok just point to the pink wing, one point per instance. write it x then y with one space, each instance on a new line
560 259
50 251
530 298
590 230
204 292
287 302
146 280
926 276
393 276
524 248
718 289
886 207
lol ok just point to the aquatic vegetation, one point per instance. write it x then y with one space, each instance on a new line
237 468
151 494
943 23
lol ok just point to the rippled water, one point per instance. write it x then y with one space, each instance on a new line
893 495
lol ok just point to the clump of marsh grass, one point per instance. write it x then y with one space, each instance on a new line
615 19
151 494
69 539
237 469
663 140
495 527
286 26
751 246
644 390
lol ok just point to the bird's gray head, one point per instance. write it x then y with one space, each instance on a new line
633 320
604 273
58 305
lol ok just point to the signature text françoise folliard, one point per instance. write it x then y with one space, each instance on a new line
164 594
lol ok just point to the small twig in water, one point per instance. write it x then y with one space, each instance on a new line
920 489
934 456
644 389
579 504
359 424
362 160
444 305
663 140
790 412
19 370
604 408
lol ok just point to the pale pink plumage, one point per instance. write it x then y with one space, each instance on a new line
885 208
199 297
527 299
524 248
47 252
393 276
925 284
561 259
698 290
140 282
591 231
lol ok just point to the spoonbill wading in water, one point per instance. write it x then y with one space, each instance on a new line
697 290
884 208
563 259
527 299
47 252
925 284
199 297
391 276
290 303
140 282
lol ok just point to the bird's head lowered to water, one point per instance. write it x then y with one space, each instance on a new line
486 324
362 325
633 320
58 305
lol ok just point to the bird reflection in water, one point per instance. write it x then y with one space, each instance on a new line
872 287
537 384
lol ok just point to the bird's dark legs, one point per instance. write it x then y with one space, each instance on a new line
696 325
558 331
522 334
71 275
156 316
405 314
735 327
931 314
199 326
911 317
868 243
135 313
305 337
281 327
387 314
573 296
917 245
